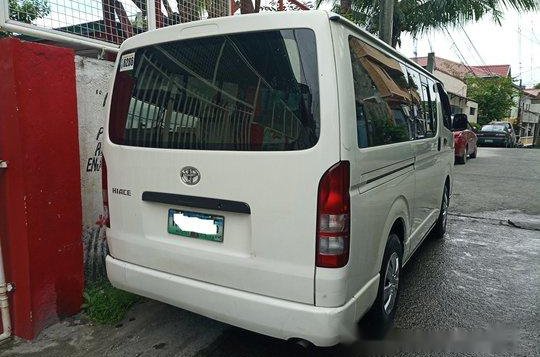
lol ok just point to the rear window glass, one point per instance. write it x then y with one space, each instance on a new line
250 91
493 128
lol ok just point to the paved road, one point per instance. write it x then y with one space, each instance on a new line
478 287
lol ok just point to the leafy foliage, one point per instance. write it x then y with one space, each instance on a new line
495 97
419 16
105 304
28 10
537 86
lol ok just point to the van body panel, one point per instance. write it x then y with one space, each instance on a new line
399 181
269 251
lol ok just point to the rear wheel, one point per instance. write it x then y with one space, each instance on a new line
382 313
440 226
463 158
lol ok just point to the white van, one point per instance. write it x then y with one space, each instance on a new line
273 171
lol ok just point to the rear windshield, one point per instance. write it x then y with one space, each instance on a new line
493 128
249 91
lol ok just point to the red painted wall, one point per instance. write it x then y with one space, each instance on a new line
40 199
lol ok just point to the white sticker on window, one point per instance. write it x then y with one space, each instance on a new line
127 62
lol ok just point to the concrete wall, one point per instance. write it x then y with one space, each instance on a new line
93 78
473 118
452 84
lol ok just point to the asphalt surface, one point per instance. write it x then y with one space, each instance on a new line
475 292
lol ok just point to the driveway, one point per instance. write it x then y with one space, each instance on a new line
476 290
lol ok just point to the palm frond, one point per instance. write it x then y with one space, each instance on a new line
420 16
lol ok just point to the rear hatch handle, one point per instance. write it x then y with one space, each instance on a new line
196 202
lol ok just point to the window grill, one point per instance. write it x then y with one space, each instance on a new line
179 99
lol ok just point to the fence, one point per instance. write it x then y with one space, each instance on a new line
102 23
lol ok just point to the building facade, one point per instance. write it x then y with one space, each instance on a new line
529 130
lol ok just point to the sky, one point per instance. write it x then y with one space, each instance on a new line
495 44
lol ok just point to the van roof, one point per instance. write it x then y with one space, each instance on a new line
172 32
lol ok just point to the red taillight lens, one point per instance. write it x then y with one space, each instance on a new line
333 216
121 97
105 193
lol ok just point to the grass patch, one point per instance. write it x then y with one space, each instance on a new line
106 304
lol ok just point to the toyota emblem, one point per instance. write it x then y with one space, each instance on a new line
190 175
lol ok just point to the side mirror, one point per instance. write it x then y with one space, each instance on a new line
460 122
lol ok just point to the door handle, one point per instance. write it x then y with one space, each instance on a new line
439 144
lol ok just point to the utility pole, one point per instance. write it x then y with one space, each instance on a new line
386 20
430 62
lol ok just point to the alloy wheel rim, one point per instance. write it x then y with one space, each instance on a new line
391 283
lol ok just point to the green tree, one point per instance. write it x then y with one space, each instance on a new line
495 97
537 86
418 16
26 11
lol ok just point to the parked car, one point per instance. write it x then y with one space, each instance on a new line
495 134
465 139
273 171
510 128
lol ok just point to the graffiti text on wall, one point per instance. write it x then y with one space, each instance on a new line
94 162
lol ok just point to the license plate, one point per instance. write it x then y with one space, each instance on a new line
488 141
196 225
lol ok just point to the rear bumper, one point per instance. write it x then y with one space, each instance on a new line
278 318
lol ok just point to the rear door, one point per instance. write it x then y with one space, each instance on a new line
229 129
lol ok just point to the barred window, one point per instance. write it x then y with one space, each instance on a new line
247 91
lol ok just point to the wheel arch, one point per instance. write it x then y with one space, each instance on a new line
398 222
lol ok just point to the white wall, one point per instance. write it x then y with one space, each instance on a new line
93 78
472 118
452 84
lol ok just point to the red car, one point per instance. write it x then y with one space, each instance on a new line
465 140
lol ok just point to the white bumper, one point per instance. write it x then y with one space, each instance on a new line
278 318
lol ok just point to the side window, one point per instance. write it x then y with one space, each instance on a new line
445 106
424 109
434 104
381 97
417 111
427 118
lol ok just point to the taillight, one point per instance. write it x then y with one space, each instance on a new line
120 99
105 193
333 217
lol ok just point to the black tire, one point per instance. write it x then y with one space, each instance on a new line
473 155
463 158
440 227
380 319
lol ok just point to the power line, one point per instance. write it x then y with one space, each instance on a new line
474 48
460 55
